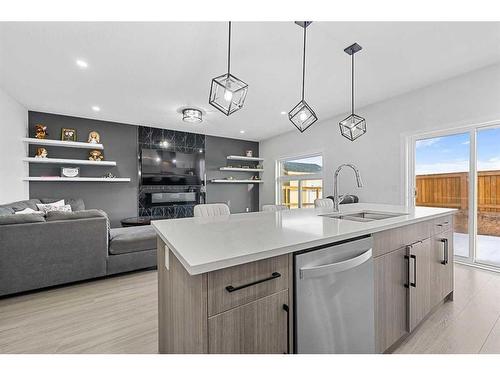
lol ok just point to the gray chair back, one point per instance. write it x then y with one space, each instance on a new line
212 209
323 203
274 207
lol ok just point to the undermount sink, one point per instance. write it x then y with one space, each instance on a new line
364 216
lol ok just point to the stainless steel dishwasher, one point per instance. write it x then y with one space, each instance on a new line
334 301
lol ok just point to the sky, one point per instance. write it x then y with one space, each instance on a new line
451 153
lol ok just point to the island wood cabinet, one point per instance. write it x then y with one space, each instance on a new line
249 308
413 268
240 309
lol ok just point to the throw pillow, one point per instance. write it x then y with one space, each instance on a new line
50 206
28 210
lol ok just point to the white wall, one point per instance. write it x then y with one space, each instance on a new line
468 99
13 127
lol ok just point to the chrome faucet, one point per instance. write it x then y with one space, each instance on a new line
336 198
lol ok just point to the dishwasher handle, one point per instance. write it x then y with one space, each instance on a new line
335 267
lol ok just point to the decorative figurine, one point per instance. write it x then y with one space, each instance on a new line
41 152
96 155
70 172
94 137
40 131
68 135
249 153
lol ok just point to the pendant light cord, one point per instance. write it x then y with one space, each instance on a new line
352 84
304 63
229 51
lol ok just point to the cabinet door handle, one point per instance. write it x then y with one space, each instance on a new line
287 309
407 284
444 241
414 283
231 288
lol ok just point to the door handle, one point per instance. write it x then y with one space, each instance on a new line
444 241
231 288
335 267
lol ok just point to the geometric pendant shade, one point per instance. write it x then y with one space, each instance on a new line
302 115
353 126
227 92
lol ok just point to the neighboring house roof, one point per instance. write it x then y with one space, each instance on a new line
291 166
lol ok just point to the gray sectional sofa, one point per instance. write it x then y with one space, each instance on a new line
38 251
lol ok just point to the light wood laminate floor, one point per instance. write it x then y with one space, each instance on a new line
119 315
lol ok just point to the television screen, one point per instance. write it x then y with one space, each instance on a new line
177 167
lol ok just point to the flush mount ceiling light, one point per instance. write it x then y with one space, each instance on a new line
228 93
353 126
192 115
96 108
302 115
82 64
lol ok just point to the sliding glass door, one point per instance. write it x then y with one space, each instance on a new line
462 170
442 170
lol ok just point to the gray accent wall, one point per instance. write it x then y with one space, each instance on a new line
118 199
239 197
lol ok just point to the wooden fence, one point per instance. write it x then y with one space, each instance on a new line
452 190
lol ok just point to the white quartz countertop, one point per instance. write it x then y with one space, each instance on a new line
211 243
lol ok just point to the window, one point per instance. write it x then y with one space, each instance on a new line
300 181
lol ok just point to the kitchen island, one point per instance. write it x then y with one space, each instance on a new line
226 284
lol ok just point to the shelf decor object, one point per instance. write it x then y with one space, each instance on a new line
53 142
302 115
353 126
192 115
227 92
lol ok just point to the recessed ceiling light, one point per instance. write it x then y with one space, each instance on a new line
96 108
242 131
82 64
283 112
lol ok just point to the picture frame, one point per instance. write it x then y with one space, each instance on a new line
68 134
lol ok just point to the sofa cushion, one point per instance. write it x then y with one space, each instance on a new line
21 205
21 219
6 211
62 215
132 239
75 203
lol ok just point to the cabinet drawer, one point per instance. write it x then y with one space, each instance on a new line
443 224
235 286
393 239
260 327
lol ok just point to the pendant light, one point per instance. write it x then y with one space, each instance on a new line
228 93
302 115
353 126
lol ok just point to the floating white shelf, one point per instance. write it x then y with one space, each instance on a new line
244 158
70 161
76 179
53 142
236 181
241 169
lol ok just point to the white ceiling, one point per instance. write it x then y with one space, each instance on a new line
143 73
